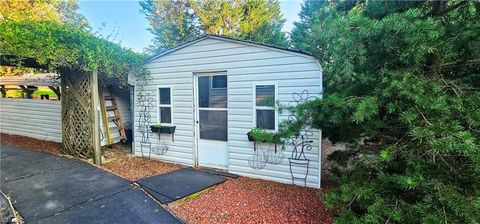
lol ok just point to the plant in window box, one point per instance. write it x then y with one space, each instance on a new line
155 128
158 128
258 135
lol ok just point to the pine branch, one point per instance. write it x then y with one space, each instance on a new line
428 122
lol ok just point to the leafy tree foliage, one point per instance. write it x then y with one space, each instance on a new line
175 21
402 84
262 22
218 17
171 22
66 49
68 10
14 71
64 11
302 29
59 11
31 10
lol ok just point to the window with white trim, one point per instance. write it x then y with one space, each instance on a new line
165 105
265 114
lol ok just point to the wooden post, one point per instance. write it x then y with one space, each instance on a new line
97 152
56 90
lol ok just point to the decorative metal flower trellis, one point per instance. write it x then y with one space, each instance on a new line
258 161
274 156
299 163
144 119
265 153
145 100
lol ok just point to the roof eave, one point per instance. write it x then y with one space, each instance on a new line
225 38
186 44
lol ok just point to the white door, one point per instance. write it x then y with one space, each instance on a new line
211 120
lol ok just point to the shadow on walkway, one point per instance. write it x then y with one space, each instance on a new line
51 189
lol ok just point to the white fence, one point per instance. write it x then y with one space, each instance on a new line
39 119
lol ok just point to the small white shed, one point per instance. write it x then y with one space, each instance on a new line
213 91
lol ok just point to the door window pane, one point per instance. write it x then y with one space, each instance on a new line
265 95
208 97
165 96
213 125
166 115
266 119
219 81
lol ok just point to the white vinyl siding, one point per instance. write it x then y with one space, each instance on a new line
246 65
122 98
41 119
33 118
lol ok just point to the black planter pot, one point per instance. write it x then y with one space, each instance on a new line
168 129
155 129
163 129
250 137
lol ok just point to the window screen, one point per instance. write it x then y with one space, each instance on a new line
211 97
213 125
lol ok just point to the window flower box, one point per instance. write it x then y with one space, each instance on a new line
163 129
257 135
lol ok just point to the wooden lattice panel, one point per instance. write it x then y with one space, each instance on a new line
77 115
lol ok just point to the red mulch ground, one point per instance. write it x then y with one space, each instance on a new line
30 143
132 167
246 200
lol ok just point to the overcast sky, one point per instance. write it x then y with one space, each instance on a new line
124 18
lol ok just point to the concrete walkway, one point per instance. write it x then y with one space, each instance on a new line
54 189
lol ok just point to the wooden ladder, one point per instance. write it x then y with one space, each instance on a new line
112 121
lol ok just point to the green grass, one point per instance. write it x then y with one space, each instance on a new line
18 93
195 195
44 92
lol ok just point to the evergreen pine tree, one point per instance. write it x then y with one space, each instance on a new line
176 21
402 83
